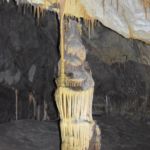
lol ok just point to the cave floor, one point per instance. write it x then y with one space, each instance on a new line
117 134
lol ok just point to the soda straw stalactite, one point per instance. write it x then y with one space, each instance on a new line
62 68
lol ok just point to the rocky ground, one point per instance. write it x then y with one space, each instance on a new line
117 134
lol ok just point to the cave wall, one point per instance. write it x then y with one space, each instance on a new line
121 72
28 63
28 58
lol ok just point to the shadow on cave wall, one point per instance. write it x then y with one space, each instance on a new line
28 63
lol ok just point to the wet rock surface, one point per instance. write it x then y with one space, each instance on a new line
117 134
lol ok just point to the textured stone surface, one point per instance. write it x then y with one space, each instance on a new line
29 135
77 70
127 17
121 72
117 134
28 59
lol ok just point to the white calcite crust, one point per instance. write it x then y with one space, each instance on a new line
128 18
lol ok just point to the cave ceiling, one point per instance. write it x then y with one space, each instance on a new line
130 18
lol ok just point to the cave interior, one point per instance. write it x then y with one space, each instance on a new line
117 67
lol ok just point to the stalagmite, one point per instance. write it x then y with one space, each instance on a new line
45 116
74 97
33 101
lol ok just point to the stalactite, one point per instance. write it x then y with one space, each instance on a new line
75 98
75 8
146 5
72 8
62 8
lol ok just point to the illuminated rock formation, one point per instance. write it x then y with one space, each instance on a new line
130 18
74 101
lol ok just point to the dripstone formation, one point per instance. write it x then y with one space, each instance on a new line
74 101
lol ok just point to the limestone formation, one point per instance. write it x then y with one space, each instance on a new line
130 18
74 101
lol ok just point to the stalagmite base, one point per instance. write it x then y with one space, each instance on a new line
76 124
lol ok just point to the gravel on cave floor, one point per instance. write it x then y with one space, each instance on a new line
117 134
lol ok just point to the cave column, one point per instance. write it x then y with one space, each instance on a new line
74 94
